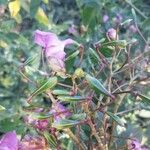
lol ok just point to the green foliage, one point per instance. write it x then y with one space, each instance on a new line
45 85
120 65
65 123
97 86
71 98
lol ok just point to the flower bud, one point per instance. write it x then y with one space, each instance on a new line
105 18
79 73
112 33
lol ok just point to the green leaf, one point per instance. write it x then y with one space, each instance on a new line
64 123
43 115
2 108
115 118
90 15
12 123
48 84
126 22
79 116
107 50
134 15
144 98
34 5
60 92
73 55
50 139
119 43
71 98
94 55
41 17
97 86
30 60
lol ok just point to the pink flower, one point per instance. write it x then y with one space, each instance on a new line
42 124
112 33
39 124
73 30
9 141
134 145
118 18
54 49
105 18
133 29
59 111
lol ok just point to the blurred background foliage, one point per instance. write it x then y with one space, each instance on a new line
20 18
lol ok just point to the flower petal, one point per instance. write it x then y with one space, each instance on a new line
56 51
68 42
9 141
45 39
59 111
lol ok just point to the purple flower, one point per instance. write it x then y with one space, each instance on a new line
105 18
73 30
112 33
54 49
9 141
118 18
134 145
133 29
42 124
59 111
39 124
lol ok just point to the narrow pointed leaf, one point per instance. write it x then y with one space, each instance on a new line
73 55
64 123
48 84
97 86
144 98
115 118
80 116
71 98
2 108
94 55
60 92
120 43
50 139
30 60
43 115
126 22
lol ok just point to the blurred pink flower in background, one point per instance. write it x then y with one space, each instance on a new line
39 124
59 111
54 49
133 29
112 33
118 19
9 141
136 145
73 30
105 18
33 143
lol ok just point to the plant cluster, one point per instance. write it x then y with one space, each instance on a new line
80 85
